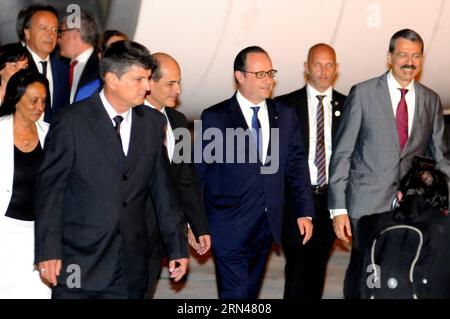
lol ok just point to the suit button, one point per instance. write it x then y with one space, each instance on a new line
125 177
124 204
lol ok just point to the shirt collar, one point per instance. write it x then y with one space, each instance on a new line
312 92
244 103
36 57
163 110
110 110
84 57
392 83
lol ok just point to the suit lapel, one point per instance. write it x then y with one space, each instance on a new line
302 107
90 72
418 115
385 102
273 123
103 129
336 109
236 114
137 136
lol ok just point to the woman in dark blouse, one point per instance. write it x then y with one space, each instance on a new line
22 136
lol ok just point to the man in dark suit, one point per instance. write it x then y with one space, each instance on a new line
243 172
40 27
165 87
319 109
387 121
102 161
79 45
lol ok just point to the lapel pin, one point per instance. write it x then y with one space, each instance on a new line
337 113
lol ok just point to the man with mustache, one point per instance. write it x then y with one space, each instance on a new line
386 122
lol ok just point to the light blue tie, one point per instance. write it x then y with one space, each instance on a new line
256 127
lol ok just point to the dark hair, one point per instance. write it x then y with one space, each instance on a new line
26 14
88 30
108 34
405 34
16 88
240 62
122 55
12 52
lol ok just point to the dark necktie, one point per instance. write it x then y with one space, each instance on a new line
319 160
44 68
401 120
256 129
71 70
118 120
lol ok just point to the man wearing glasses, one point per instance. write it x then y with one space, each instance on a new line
243 200
387 121
40 30
79 45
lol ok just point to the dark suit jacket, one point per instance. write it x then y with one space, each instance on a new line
232 191
90 205
187 190
90 78
60 73
299 101
187 183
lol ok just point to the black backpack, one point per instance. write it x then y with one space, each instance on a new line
409 245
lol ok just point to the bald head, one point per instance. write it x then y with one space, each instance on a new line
321 67
321 48
164 82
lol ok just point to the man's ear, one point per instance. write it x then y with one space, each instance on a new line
239 76
27 34
389 58
111 80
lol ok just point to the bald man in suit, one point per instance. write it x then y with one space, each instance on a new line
306 265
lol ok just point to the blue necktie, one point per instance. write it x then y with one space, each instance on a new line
256 126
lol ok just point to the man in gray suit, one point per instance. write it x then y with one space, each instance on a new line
387 121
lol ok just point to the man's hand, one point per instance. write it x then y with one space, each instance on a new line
306 228
178 268
203 244
341 225
49 270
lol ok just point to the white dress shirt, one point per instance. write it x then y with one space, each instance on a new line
263 117
125 126
313 102
78 70
49 73
170 137
395 96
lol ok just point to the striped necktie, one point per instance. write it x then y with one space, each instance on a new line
320 159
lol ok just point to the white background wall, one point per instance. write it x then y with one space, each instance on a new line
205 36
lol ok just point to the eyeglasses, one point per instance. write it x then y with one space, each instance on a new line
262 74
